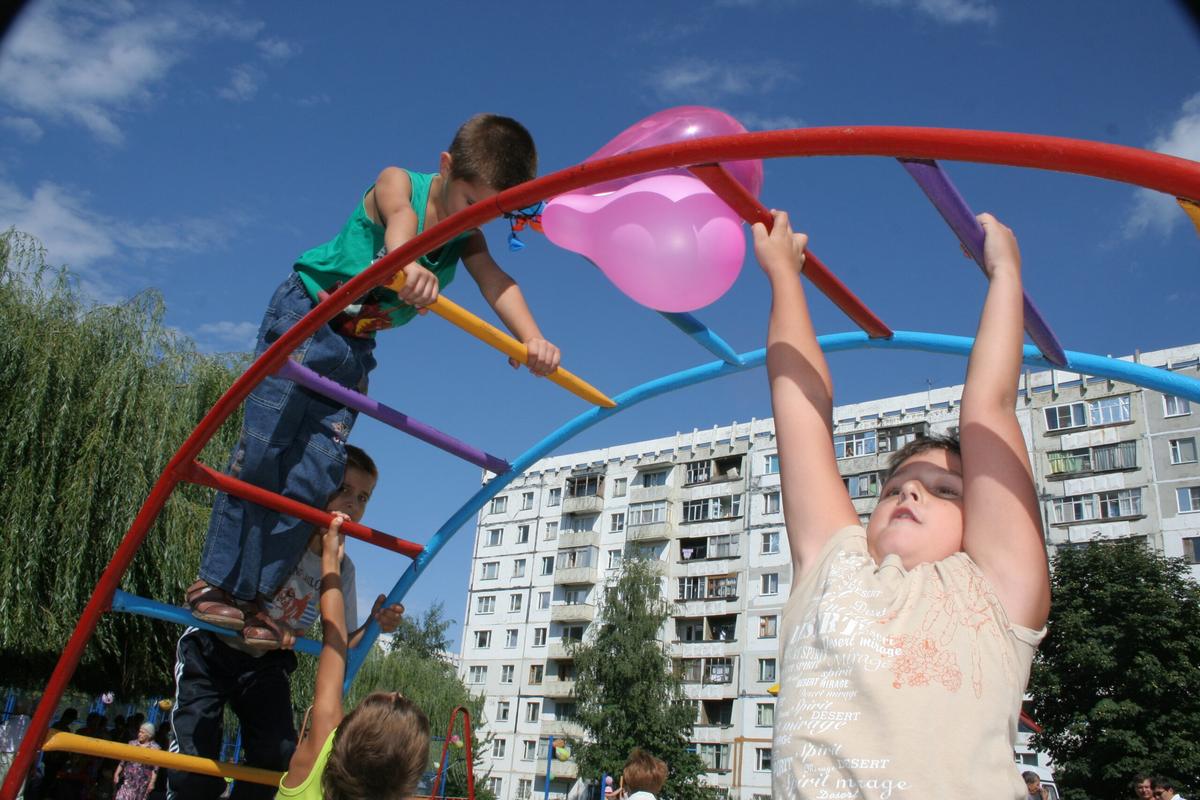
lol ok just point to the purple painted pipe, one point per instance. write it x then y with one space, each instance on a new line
372 408
936 184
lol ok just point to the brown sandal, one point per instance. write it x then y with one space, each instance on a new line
262 631
215 606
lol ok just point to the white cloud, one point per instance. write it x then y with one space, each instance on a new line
91 63
244 81
755 121
950 12
1155 211
698 81
24 127
226 335
273 49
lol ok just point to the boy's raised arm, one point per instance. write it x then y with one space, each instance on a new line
815 502
1002 530
391 199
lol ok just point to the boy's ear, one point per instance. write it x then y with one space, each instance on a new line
445 161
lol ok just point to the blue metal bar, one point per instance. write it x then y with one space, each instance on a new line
132 604
1126 371
705 336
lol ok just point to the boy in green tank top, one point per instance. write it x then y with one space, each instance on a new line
293 440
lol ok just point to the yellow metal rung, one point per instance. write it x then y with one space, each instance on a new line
1192 209
90 746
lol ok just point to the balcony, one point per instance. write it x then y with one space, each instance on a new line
562 727
558 652
565 575
647 494
651 532
572 612
585 504
558 688
569 538
564 769
1104 458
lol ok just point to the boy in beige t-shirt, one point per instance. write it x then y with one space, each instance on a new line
906 647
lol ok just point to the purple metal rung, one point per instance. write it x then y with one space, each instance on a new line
400 421
936 185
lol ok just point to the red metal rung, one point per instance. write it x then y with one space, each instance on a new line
748 208
207 476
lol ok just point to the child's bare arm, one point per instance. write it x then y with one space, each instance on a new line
815 502
504 296
331 666
1002 530
392 204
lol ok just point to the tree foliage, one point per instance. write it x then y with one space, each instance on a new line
1114 686
628 693
96 400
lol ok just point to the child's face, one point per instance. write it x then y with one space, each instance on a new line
460 194
920 511
352 497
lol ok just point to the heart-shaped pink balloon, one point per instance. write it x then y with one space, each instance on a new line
666 241
678 124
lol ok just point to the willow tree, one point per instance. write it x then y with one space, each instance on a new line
96 400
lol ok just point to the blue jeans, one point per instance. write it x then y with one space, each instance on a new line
292 443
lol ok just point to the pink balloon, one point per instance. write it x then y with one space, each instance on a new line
678 124
666 241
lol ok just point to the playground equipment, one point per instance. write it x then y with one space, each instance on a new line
918 148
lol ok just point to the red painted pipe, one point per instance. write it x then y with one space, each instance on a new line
748 208
207 476
1174 176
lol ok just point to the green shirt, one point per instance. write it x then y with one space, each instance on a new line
311 788
326 267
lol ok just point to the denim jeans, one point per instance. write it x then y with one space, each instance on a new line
292 443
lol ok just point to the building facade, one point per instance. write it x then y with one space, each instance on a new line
1110 461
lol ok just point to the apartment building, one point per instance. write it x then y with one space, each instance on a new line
1111 461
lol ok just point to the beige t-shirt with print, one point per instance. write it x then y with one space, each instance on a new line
897 683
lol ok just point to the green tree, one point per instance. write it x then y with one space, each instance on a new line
96 400
426 635
1114 684
628 693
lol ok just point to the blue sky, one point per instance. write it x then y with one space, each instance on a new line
199 147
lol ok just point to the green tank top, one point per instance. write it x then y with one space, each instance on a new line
327 266
311 788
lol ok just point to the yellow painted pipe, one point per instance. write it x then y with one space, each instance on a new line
489 334
90 746
1192 209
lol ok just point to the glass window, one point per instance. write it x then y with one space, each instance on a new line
485 604
766 670
539 637
771 464
510 637
522 534
526 501
533 711
656 477
551 532
770 583
616 522
1188 499
766 715
767 625
849 445
499 505
1191 549
490 570
647 513
770 542
476 674
771 503
506 676
762 759
543 600
1109 410
529 751
1176 406
524 788
519 568
614 559
483 639
1183 451
515 602
547 565
697 472
555 497
495 537
503 709
620 487
537 672
1072 415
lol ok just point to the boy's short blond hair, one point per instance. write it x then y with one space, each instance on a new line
643 772
380 750
494 150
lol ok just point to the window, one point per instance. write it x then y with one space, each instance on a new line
1191 549
533 710
620 487
572 633
890 440
657 477
724 546
526 501
539 637
499 505
495 537
715 757
614 559
567 711
766 670
1176 406
691 669
718 670
697 472
551 532
1109 410
519 568
647 513
537 672
498 746
515 602
555 498
490 570
1104 458
1104 505
1183 451
585 485
494 783
524 787
581 523
771 503
767 625
483 639
522 534
506 673
502 710
476 674
864 485
1121 503
547 565
712 508
1072 415
575 597
543 600
616 522
530 751
510 637
770 543
485 604
766 715
849 445
769 583
771 464
762 761
1188 499
577 558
